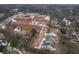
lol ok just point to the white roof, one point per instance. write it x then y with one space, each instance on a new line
1 53
32 16
32 13
13 20
51 48
47 18
53 34
17 30
4 44
3 27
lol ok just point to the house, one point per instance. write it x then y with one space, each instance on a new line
3 40
67 22
17 29
3 27
75 37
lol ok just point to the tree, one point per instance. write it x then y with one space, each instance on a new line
33 31
2 48
15 40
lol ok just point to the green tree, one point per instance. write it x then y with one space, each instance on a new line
33 31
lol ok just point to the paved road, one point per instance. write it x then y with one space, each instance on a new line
8 20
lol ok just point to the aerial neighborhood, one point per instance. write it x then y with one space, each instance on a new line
43 30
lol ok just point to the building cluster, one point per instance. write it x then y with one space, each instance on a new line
46 38
75 38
